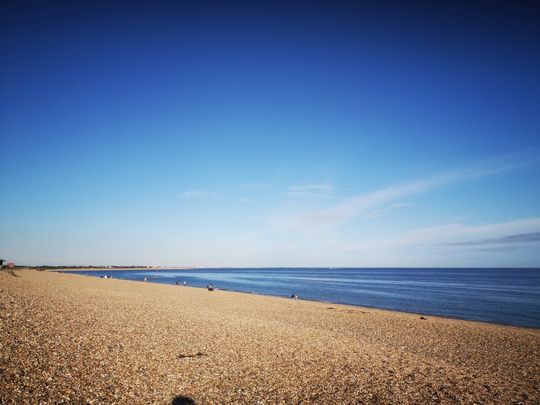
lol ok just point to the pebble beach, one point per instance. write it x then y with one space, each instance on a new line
74 339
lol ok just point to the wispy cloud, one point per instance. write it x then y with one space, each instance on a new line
452 238
351 207
361 203
509 239
457 234
365 204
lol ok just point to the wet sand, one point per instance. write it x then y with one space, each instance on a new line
69 338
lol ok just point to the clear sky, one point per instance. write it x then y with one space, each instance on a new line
270 134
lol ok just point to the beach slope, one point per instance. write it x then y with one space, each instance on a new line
68 338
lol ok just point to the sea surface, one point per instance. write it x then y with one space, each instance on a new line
505 296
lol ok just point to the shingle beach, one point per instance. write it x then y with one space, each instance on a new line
75 339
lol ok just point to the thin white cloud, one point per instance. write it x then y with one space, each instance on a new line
363 204
449 243
454 234
350 208
531 237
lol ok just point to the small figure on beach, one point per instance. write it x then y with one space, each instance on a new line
294 296
177 282
184 283
145 279
210 287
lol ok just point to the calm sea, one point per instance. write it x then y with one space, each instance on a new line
507 296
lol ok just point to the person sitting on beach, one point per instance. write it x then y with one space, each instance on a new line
183 283
177 283
210 287
294 296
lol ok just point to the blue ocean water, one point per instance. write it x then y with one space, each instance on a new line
506 296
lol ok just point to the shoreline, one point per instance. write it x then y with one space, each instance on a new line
82 339
160 268
325 301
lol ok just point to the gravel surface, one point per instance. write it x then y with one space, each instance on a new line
76 339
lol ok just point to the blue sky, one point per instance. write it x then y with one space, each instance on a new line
303 134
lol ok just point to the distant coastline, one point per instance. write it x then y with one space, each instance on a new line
114 268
